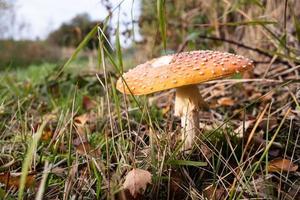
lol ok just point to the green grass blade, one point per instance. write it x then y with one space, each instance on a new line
119 48
187 163
82 44
28 159
297 26
4 195
162 21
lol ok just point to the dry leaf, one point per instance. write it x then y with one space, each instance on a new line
83 147
166 109
136 181
219 90
279 165
81 120
80 123
87 103
211 192
225 101
13 180
47 135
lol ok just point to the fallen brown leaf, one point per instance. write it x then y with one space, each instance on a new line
13 180
219 90
83 147
47 135
136 181
88 103
80 123
166 109
81 120
279 165
214 193
225 101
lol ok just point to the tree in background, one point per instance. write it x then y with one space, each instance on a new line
70 34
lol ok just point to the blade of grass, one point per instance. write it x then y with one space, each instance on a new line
70 135
267 135
118 46
28 158
297 26
254 129
78 49
4 195
162 21
42 186
117 105
98 180
187 163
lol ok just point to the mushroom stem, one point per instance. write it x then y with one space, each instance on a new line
188 101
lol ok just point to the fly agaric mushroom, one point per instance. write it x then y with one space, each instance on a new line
183 71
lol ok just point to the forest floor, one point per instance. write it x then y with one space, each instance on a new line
76 136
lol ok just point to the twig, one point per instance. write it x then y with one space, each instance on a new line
287 71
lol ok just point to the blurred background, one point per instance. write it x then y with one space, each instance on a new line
35 32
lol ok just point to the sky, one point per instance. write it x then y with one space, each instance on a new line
44 16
